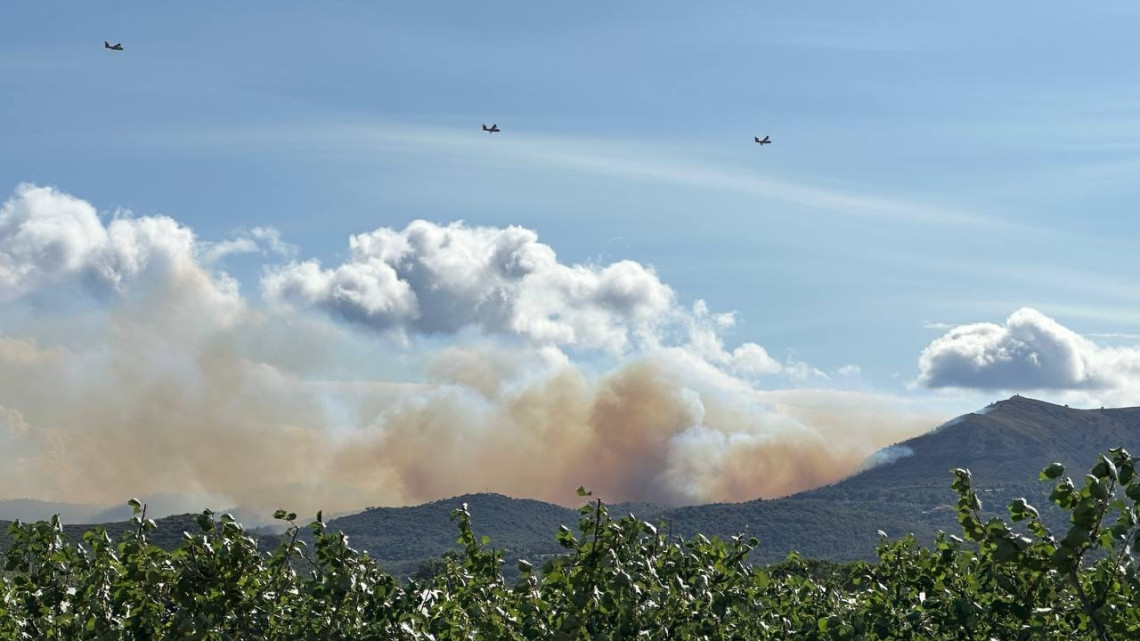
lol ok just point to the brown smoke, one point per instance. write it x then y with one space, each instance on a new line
186 412
128 368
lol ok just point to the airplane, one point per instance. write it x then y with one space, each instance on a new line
113 47
766 141
493 129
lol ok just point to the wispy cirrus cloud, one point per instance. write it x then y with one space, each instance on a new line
631 159
258 240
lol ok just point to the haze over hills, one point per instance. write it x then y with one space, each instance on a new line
1005 445
159 505
35 510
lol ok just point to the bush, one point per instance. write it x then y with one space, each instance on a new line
618 579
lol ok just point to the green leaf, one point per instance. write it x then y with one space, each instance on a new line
1104 469
1133 491
1052 471
1127 472
1097 488
583 492
1019 510
1005 551
1077 537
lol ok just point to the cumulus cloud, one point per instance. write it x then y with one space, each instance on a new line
174 383
51 241
705 337
440 279
1030 351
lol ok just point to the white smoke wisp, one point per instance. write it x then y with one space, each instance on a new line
155 375
885 456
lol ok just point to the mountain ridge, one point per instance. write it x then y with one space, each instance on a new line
1005 445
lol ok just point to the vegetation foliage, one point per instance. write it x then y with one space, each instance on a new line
617 579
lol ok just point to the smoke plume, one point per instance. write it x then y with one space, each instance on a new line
129 365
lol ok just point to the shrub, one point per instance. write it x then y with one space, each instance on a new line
618 579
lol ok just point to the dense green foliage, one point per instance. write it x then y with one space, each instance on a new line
618 579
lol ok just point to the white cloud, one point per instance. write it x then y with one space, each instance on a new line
45 235
270 238
51 240
705 329
1030 351
215 251
441 279
1114 335
800 371
258 240
181 386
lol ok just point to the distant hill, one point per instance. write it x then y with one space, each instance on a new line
1005 445
159 505
33 510
168 535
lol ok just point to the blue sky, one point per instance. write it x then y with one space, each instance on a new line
932 165
1021 116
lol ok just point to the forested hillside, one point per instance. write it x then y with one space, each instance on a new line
1007 443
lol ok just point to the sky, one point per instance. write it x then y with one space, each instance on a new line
946 216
